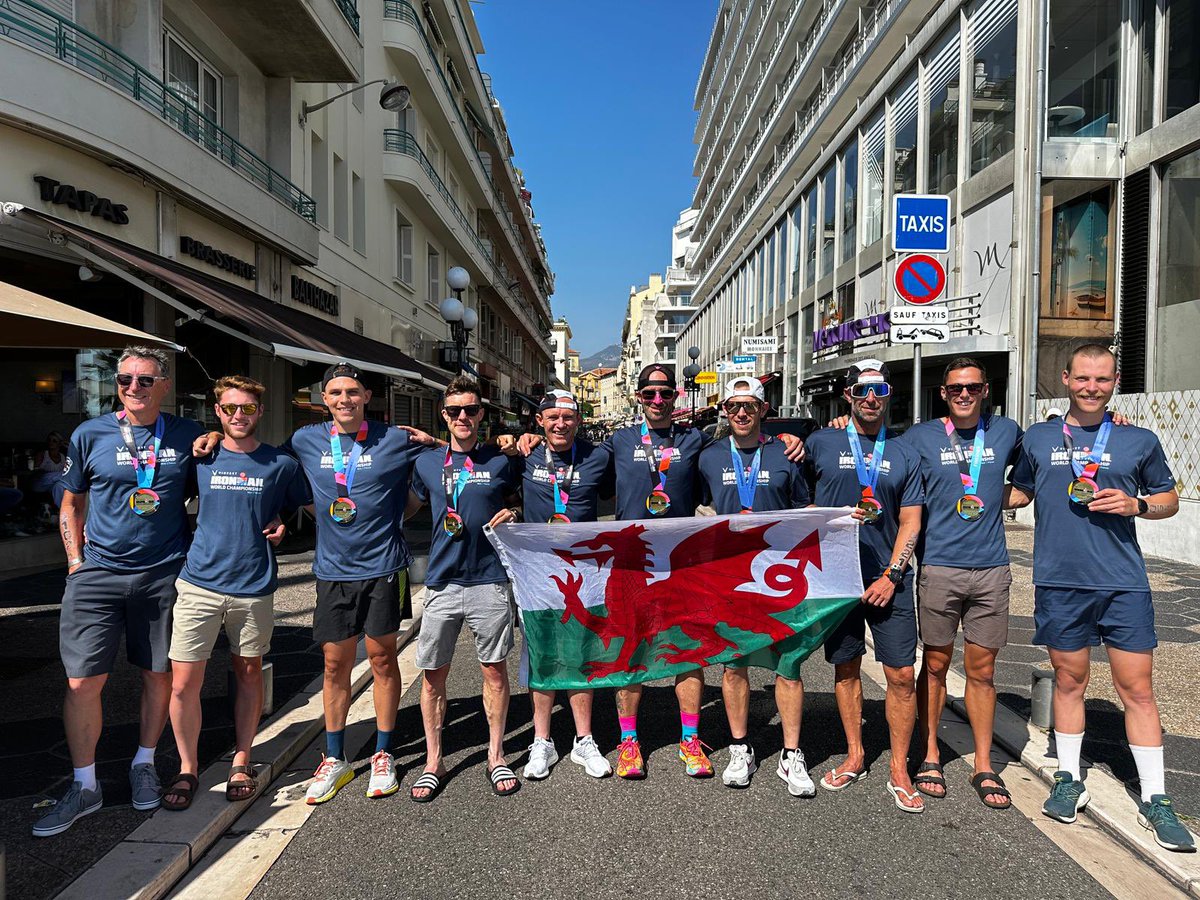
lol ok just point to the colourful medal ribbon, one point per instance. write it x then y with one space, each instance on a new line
668 451
144 470
747 478
968 470
1094 457
868 475
454 484
562 494
343 472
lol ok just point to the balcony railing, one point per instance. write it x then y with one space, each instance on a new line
40 29
349 10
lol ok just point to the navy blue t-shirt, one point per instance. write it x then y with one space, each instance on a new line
372 545
633 473
99 465
469 558
947 539
240 495
591 481
780 482
1071 546
830 465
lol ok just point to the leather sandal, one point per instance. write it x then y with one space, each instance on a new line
236 791
186 794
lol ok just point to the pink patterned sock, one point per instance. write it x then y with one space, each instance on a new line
628 727
691 724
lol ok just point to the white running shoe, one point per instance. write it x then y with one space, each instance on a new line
542 756
794 771
741 766
383 775
585 753
331 776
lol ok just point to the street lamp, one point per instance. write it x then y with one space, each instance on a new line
689 377
393 98
461 318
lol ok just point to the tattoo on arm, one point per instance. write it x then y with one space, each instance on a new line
909 546
68 536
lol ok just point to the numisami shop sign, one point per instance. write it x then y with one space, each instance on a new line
850 331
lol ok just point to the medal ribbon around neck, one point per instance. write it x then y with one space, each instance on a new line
968 470
868 474
1094 457
668 451
343 472
454 484
144 470
561 489
747 478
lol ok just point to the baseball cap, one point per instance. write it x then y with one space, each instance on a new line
558 400
341 370
644 375
863 372
745 386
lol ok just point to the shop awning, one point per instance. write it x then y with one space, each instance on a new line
31 320
241 313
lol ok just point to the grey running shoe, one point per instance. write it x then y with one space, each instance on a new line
75 804
1067 797
147 790
1158 815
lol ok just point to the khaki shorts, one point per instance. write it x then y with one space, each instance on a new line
199 614
978 598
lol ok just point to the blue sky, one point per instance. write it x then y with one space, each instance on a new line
598 100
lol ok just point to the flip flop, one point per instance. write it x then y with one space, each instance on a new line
187 793
238 791
983 790
897 792
935 780
854 778
503 773
431 782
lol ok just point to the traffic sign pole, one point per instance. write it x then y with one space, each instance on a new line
916 383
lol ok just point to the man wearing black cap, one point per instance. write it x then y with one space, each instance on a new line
859 466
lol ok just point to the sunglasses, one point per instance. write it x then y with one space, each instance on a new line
880 389
649 396
733 407
471 409
974 388
230 409
144 381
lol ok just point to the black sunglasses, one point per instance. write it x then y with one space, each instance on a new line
144 381
974 388
733 407
471 409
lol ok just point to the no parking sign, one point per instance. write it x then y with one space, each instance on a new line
920 279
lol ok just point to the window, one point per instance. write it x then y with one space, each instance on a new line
1179 274
829 218
433 268
810 236
358 197
434 154
1183 57
781 296
320 180
1083 66
992 45
341 200
849 200
941 86
874 146
404 249
766 258
1077 267
199 86
904 136
1147 26
796 226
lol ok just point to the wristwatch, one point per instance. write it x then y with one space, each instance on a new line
1143 506
895 574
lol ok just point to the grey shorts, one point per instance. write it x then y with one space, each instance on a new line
100 606
487 611
978 598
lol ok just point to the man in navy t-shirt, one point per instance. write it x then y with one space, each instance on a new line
964 575
565 478
468 485
1090 482
860 466
229 579
750 472
132 472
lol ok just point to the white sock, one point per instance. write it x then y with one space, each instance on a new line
143 755
1151 774
1069 747
87 777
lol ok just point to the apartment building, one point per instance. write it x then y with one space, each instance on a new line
560 341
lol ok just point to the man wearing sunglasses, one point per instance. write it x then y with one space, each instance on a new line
564 481
131 471
229 580
750 472
859 466
468 485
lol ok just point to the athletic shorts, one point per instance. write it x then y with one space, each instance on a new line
1072 619
200 613
486 609
100 606
978 598
893 627
346 609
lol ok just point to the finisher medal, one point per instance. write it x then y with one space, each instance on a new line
560 487
1083 489
558 519
453 484
452 524
343 510
871 508
970 507
658 502
144 502
868 472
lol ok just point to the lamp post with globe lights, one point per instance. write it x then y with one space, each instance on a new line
689 377
460 317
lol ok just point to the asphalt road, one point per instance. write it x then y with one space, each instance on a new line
572 836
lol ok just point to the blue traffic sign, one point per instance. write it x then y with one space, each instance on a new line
744 359
921 223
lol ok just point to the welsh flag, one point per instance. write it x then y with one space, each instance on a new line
606 604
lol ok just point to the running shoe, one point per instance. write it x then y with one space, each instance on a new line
1158 815
383 781
741 766
584 752
75 804
629 759
794 770
1067 797
695 762
146 790
331 776
542 756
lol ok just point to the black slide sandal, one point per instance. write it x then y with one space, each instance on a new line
932 780
431 782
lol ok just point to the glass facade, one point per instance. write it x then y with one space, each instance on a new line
1183 57
849 201
810 236
1083 68
1179 275
992 45
874 147
828 218
904 136
941 87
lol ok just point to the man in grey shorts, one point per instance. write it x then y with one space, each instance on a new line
130 473
468 485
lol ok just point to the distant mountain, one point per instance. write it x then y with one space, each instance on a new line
608 357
